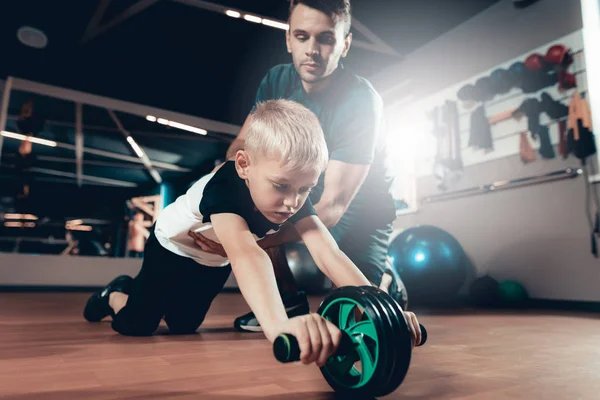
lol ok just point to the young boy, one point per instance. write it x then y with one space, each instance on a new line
246 199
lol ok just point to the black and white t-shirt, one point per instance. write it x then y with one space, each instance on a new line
221 192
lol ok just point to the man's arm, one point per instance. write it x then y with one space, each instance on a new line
342 181
253 271
327 255
238 143
263 93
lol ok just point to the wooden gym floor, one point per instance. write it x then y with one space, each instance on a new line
47 351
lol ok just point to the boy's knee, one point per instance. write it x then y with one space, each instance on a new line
143 329
183 328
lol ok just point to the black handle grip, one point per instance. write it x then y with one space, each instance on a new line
423 336
286 348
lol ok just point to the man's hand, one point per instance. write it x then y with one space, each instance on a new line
287 234
415 329
207 245
411 318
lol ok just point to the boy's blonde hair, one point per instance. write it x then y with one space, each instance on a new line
289 132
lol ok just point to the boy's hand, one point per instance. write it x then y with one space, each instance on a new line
207 245
318 338
415 329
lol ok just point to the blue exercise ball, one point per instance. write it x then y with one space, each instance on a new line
431 263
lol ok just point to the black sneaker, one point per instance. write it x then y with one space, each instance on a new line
97 306
295 305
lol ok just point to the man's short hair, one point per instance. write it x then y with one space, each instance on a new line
338 10
287 131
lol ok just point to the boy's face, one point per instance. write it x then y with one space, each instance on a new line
278 192
316 44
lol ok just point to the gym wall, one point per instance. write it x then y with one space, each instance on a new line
505 134
538 235
52 271
28 270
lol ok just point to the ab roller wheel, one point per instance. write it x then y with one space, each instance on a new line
375 351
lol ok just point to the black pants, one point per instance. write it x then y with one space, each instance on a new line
366 246
136 254
172 287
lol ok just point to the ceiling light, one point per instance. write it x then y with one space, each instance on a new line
85 228
32 37
13 224
252 18
177 125
20 216
187 127
233 14
31 139
275 24
155 175
135 147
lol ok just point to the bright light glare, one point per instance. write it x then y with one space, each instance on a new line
31 139
252 18
233 14
275 24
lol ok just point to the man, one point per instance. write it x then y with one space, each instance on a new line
138 234
353 195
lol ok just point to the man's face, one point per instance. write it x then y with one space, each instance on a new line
316 44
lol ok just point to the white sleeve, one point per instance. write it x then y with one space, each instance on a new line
194 195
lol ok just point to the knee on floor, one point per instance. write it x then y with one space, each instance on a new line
182 328
135 330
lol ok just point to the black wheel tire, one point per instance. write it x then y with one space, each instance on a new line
403 342
357 294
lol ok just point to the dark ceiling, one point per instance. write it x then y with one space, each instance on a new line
175 56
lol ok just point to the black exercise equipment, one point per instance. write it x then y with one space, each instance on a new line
524 3
375 351
484 292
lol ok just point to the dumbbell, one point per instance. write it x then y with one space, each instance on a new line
376 346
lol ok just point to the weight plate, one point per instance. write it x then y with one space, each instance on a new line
405 349
389 349
391 344
403 344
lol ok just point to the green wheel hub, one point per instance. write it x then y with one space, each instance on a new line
358 367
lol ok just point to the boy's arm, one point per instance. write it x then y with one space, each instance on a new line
327 255
253 271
